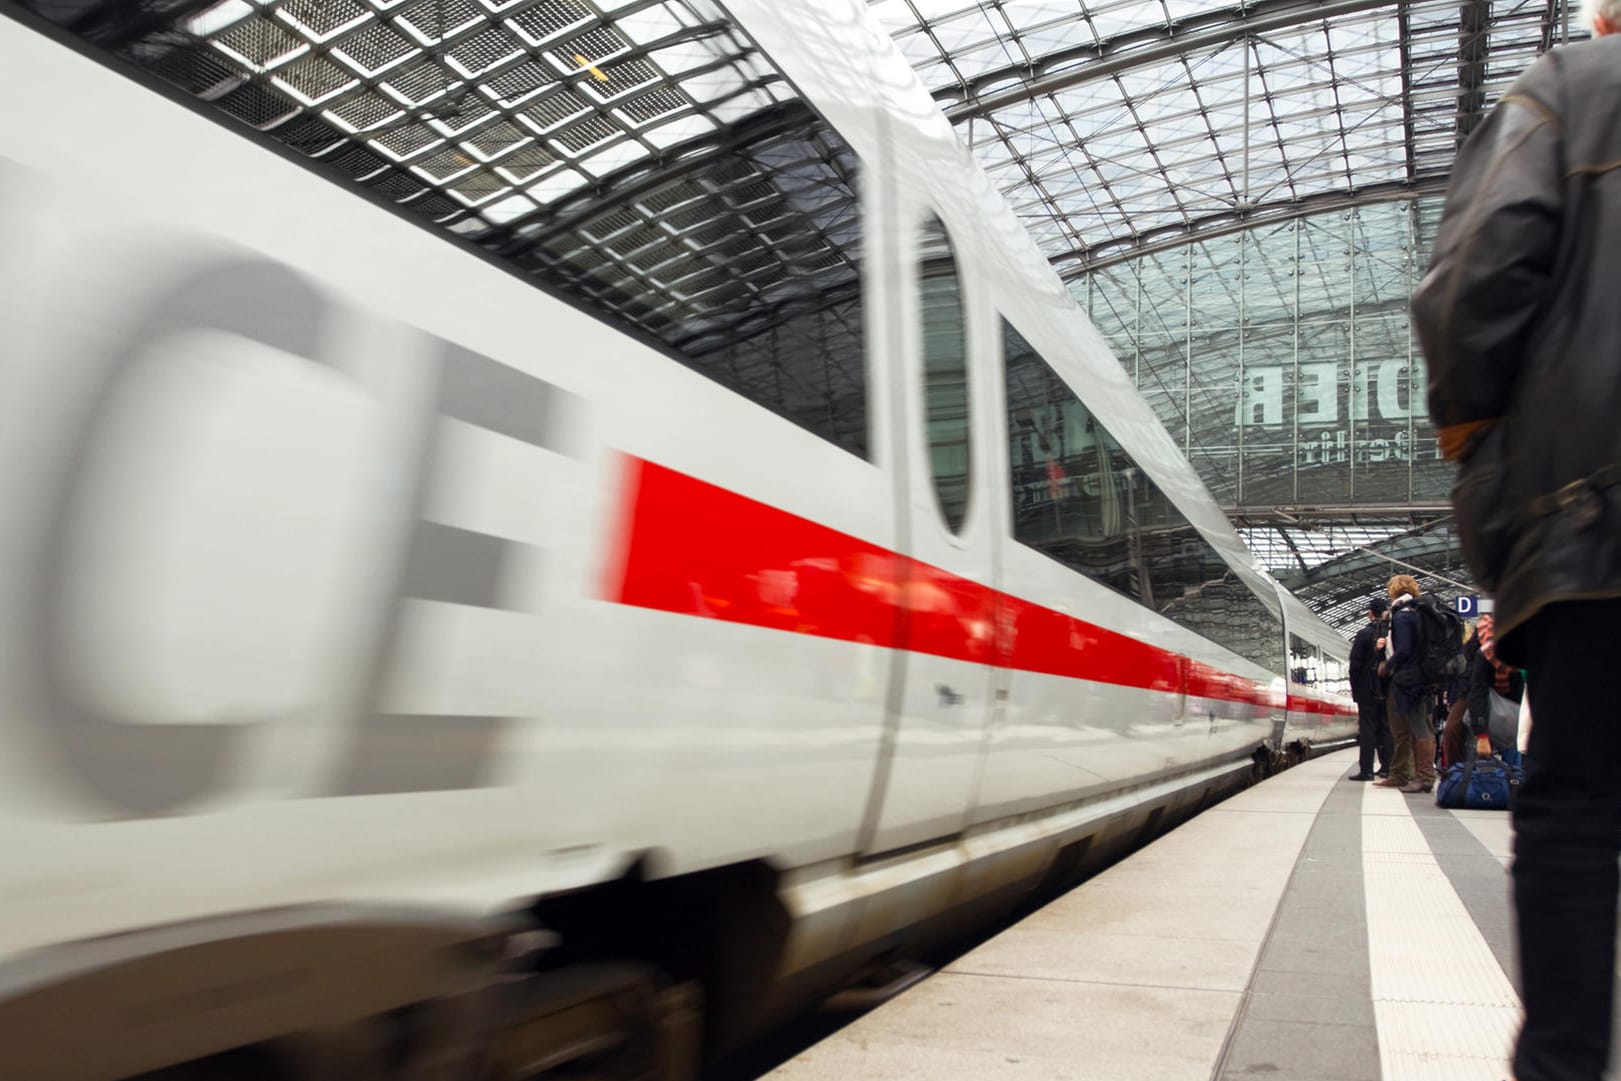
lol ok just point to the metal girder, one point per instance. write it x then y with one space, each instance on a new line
1346 514
1550 24
1426 550
1404 34
1474 16
1149 46
1294 549
1224 222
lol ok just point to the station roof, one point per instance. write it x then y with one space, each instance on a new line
1117 127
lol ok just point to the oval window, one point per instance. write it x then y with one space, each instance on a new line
945 372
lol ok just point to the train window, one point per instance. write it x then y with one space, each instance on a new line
1305 662
1072 487
1218 604
945 371
1080 498
1336 675
645 162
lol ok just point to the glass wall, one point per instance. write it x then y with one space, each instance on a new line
1281 357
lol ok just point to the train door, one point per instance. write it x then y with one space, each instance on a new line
941 688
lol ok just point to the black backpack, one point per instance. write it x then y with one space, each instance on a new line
1440 645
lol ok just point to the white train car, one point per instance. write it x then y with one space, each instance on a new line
534 522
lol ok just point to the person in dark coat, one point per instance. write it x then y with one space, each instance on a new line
1368 691
1407 702
1521 328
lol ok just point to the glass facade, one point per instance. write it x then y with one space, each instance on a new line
1281 358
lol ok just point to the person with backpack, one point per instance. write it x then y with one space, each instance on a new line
1426 649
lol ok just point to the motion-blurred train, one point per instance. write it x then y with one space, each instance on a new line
547 534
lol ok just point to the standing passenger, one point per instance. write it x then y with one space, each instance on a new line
1454 731
1368 691
1489 676
1521 330
1408 704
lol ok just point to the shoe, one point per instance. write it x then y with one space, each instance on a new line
1415 788
1382 774
1387 783
1360 777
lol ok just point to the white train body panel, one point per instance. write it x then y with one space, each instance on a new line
215 570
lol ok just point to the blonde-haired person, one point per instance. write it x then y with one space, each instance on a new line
1521 331
1408 702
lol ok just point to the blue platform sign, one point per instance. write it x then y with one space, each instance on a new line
1469 607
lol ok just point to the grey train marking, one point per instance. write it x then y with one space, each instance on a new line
456 566
149 769
494 396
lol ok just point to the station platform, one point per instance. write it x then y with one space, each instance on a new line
1308 929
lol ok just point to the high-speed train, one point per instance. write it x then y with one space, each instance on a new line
546 534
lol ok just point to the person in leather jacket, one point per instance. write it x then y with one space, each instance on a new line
1521 329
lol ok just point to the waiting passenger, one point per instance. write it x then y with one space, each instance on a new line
1368 691
1489 679
1520 330
1408 703
1456 730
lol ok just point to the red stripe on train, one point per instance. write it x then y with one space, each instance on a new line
694 548
1299 703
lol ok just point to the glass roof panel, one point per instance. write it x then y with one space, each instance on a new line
1127 124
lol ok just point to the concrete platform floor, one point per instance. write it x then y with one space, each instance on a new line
1308 929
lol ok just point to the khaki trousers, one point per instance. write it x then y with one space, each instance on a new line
1401 764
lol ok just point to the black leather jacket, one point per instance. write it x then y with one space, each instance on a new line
1520 320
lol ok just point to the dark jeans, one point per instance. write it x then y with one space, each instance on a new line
1567 822
1372 733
